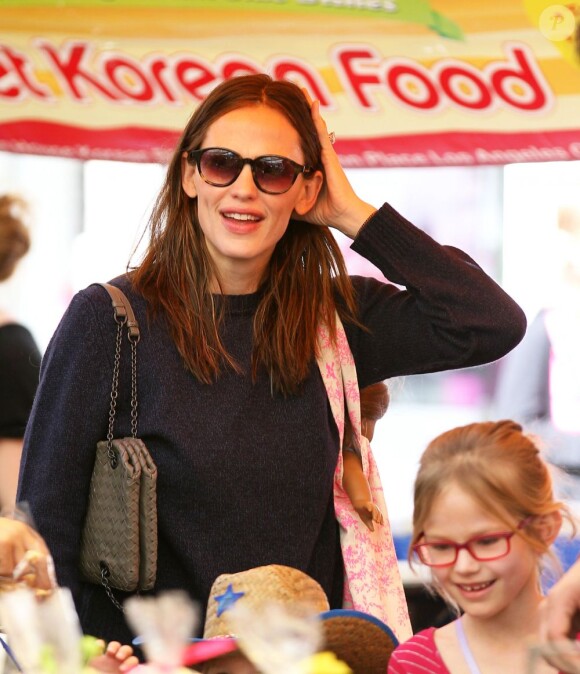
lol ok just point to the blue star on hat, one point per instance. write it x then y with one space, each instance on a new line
227 599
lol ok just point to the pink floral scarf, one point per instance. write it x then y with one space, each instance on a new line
372 578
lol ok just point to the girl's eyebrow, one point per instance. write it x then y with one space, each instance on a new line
484 532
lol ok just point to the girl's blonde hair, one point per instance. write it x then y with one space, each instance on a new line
499 466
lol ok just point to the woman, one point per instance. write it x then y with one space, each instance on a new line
19 354
240 271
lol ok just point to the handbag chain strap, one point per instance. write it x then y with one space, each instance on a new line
105 574
123 314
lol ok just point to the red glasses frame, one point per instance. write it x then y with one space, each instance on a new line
507 535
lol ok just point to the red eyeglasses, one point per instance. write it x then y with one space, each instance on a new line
484 548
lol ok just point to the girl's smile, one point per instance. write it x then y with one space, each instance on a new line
475 592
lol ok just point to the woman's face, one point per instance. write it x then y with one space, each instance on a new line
242 224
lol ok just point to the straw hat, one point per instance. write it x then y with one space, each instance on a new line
364 642
256 587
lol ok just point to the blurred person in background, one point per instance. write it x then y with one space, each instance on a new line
25 561
539 381
560 622
19 354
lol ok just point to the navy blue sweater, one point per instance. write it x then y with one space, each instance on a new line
245 477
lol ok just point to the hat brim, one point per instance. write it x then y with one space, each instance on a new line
202 650
364 642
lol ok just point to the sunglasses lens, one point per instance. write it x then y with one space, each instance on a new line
274 174
220 167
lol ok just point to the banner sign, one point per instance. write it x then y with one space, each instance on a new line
401 82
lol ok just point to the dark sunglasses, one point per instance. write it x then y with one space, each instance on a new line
221 167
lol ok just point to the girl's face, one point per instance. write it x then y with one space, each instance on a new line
482 589
242 224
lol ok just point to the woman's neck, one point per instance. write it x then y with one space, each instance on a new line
236 282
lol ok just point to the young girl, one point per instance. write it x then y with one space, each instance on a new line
484 517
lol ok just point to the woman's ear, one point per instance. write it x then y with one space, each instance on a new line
187 173
548 526
310 190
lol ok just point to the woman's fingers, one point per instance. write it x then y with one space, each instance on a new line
326 138
337 204
24 556
12 545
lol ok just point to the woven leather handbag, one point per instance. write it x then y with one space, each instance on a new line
119 538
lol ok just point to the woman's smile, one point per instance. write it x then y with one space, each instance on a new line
241 223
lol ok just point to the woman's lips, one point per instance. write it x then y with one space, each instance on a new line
241 223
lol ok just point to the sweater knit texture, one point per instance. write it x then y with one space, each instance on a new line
245 477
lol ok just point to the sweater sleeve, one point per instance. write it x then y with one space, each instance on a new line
69 416
440 311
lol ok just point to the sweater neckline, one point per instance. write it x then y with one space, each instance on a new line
239 304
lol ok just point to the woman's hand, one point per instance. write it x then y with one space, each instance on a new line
24 556
560 622
337 205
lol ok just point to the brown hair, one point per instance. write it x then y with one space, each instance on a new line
374 401
14 236
305 277
499 466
